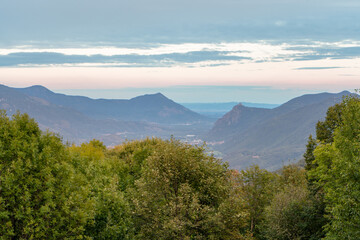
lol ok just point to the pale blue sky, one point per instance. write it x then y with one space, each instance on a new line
121 21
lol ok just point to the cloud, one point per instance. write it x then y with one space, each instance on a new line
36 59
320 51
187 55
316 68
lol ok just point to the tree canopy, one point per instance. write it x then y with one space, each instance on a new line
337 171
41 196
167 189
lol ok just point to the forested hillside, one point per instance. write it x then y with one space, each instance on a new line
166 189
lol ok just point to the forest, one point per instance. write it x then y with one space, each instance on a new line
167 189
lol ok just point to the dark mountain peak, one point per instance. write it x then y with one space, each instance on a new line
239 105
239 116
239 110
151 96
156 99
235 112
233 116
38 88
36 91
344 93
159 95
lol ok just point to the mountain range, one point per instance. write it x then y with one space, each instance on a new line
78 119
270 137
154 108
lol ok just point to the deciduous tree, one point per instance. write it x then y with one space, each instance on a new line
41 196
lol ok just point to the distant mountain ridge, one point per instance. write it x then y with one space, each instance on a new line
270 137
71 124
150 108
80 119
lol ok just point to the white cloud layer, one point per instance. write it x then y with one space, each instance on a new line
260 51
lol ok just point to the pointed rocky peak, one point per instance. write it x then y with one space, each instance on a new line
238 107
159 95
151 96
234 115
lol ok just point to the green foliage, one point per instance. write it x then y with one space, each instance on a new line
258 188
325 129
292 213
40 195
150 189
309 154
338 172
184 194
324 135
111 210
289 214
292 175
234 211
130 157
156 189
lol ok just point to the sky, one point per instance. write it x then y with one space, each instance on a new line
192 51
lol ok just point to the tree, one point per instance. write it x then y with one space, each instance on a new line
258 189
309 154
287 217
325 129
338 173
292 213
233 210
41 195
111 210
324 133
183 193
129 159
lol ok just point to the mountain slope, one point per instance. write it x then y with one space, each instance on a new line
270 137
80 119
69 123
236 121
151 108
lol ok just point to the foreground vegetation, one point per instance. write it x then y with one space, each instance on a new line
157 189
